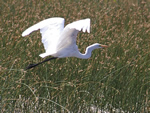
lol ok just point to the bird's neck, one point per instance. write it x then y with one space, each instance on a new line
86 55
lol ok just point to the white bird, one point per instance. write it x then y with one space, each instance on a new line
60 42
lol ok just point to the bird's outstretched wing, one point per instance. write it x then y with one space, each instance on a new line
79 25
69 34
50 30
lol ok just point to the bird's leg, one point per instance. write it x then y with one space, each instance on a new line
33 65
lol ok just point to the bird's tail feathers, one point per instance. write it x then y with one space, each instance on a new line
43 55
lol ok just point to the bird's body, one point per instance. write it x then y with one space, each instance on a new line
60 42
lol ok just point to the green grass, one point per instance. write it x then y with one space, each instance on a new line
113 79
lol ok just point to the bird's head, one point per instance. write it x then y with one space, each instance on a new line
90 48
97 45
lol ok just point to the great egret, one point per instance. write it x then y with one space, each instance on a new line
60 42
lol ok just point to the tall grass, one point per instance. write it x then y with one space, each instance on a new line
115 79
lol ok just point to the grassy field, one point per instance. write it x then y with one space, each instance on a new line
116 79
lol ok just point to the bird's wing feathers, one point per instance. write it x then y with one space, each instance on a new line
69 34
79 25
56 38
50 30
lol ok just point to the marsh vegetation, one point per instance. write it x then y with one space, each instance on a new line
114 79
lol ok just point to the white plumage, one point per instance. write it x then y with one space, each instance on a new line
59 41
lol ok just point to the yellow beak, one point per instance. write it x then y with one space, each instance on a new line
104 46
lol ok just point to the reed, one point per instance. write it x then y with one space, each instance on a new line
115 79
